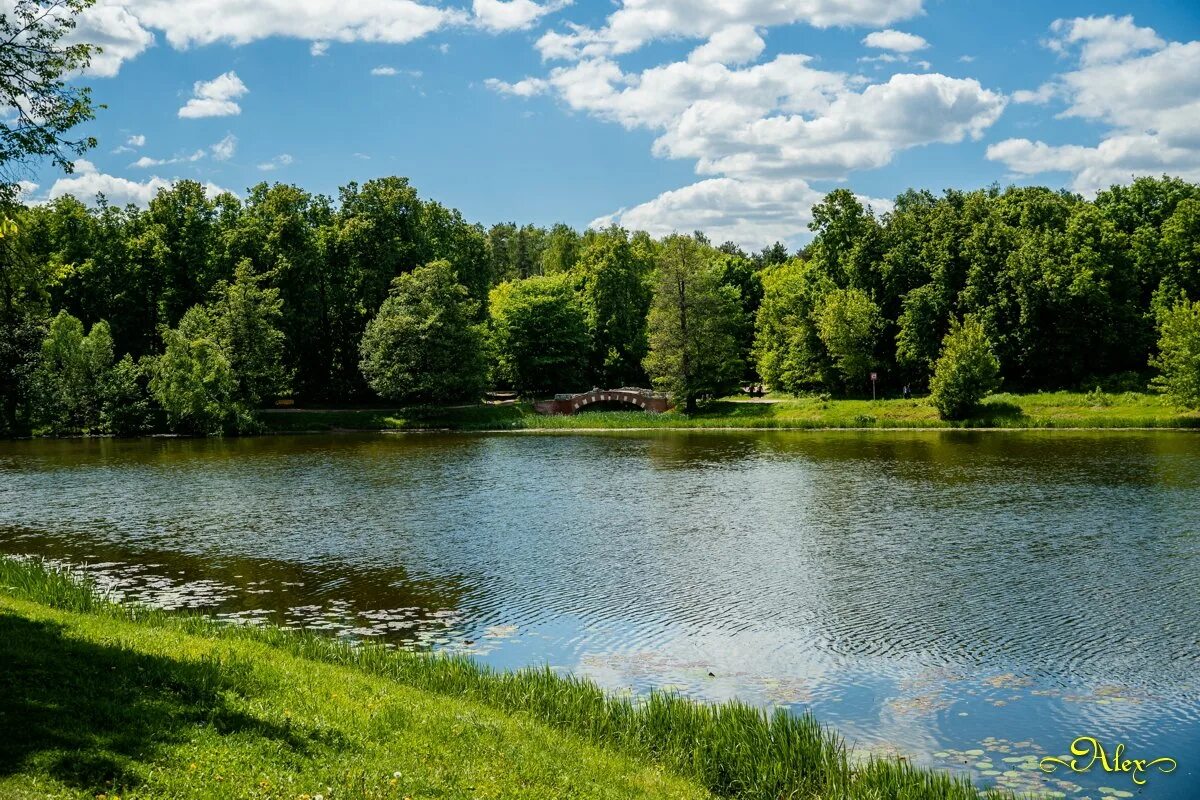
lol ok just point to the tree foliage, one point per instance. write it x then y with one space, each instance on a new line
693 322
194 382
35 62
245 317
540 335
1178 358
424 345
72 377
613 284
966 371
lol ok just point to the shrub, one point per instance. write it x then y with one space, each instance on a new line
1178 359
966 371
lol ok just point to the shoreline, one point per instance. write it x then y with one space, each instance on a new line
263 694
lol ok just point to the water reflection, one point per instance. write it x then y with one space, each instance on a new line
931 593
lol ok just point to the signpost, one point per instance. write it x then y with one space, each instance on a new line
874 377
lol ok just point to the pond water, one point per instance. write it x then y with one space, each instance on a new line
967 600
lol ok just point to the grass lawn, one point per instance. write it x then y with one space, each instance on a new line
101 700
1041 410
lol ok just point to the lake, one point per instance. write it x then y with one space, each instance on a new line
970 600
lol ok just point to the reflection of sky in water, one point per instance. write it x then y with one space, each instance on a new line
930 594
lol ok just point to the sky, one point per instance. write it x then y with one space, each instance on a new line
730 116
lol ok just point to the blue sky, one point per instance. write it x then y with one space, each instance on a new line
658 114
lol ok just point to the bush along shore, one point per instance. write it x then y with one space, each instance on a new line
1042 410
99 699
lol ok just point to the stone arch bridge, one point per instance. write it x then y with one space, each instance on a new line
644 399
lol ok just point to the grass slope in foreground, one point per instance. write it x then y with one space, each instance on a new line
98 698
781 412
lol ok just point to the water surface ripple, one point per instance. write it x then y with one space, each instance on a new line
930 592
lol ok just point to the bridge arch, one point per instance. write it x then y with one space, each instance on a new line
643 399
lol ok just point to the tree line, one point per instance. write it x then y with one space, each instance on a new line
197 310
192 313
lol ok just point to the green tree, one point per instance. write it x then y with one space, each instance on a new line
966 372
193 381
423 345
1178 359
245 318
920 331
693 323
35 63
615 292
128 409
788 350
848 323
72 375
539 334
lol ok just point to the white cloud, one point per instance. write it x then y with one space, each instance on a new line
215 98
737 44
318 49
760 133
224 149
137 140
87 182
201 22
498 15
384 71
780 118
1103 40
221 151
146 162
523 88
896 41
638 22
121 36
1149 101
1040 96
275 163
753 213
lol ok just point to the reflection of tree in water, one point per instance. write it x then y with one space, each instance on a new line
333 597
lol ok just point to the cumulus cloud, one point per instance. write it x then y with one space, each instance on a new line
221 151
758 133
87 182
737 44
1102 40
275 163
638 22
522 88
121 36
753 213
499 15
896 41
224 149
779 118
1144 90
137 140
215 98
146 162
384 71
201 22
1039 96
124 28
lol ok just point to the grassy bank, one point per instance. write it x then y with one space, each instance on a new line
97 698
1042 410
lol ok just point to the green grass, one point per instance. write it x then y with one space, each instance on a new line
98 698
1041 410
